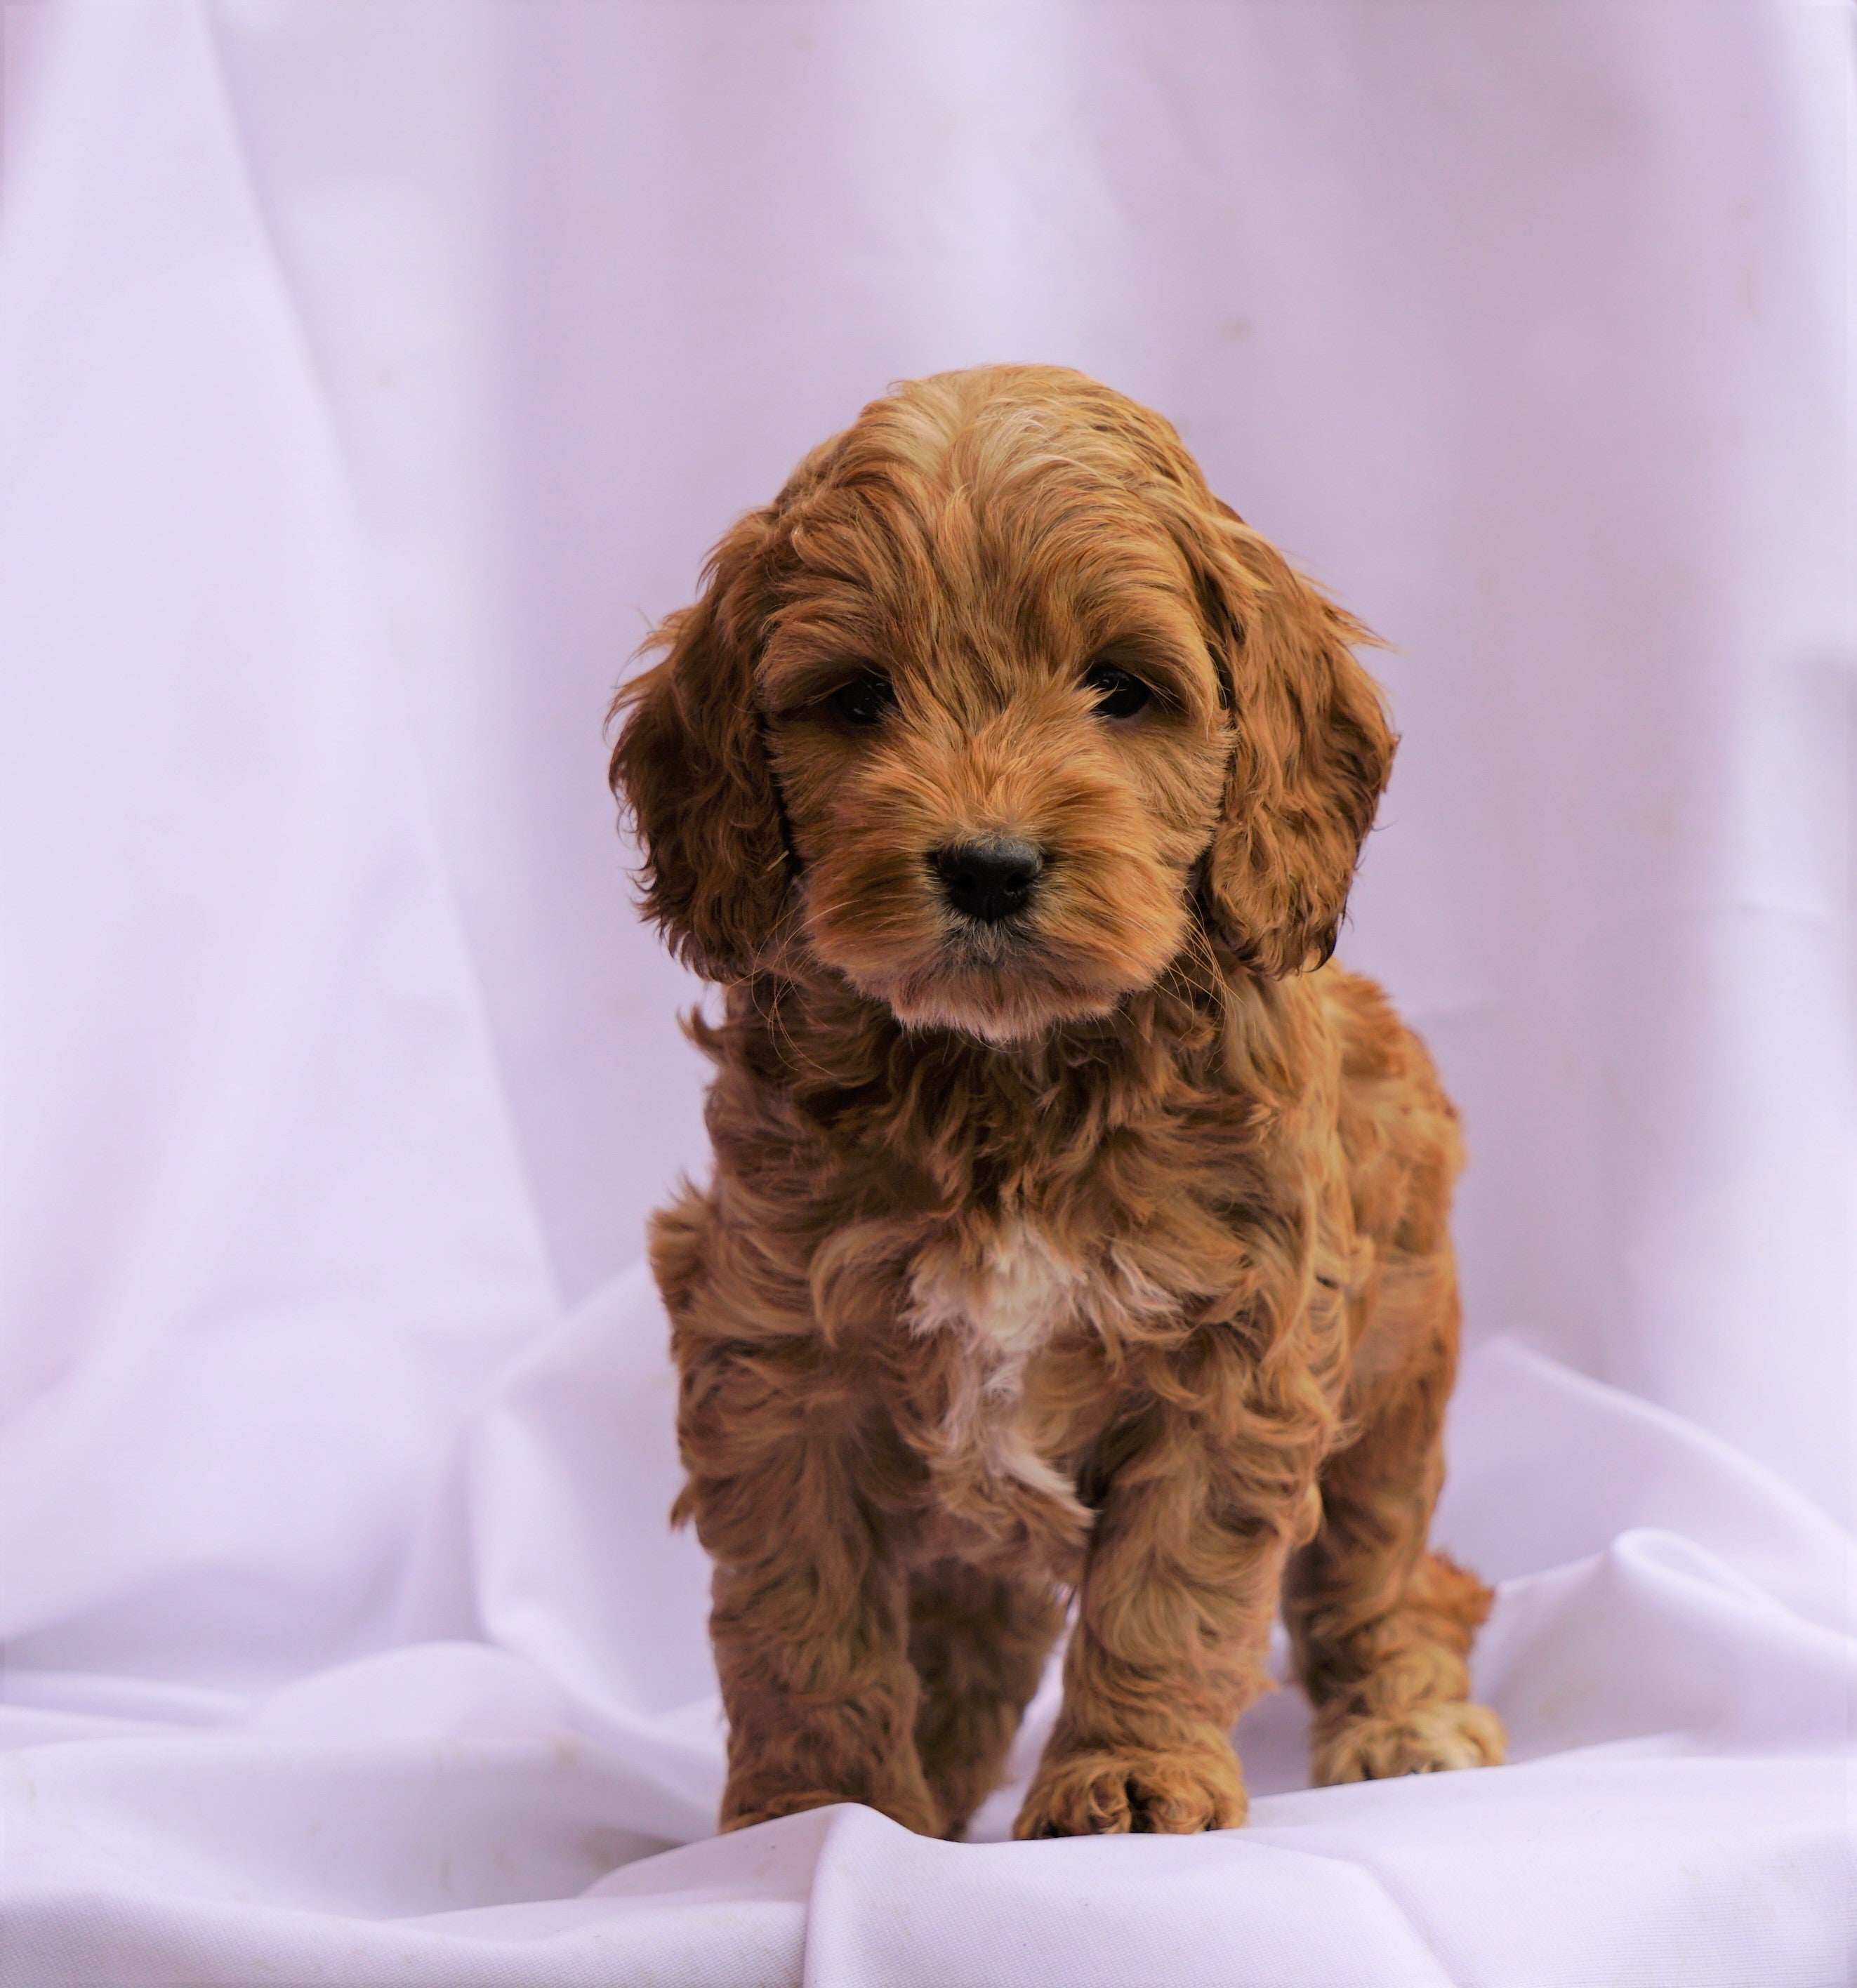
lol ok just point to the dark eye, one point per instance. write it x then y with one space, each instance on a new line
1119 693
865 701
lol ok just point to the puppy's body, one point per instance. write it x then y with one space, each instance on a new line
1068 1234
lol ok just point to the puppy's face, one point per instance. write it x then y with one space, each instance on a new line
988 708
1001 742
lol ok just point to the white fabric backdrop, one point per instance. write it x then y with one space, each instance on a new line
369 375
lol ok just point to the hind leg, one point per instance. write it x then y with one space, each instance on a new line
978 1640
1381 1627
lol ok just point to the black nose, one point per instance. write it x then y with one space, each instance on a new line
988 881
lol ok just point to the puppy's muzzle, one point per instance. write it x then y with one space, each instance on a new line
988 881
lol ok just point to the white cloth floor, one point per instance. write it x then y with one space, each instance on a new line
369 375
1670 1652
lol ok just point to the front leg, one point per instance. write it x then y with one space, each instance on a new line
810 1618
1172 1627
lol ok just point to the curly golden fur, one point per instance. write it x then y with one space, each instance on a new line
1076 1229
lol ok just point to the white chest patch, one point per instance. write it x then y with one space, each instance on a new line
1002 1308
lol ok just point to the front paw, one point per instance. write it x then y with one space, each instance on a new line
1170 1791
1428 1739
743 1807
745 1803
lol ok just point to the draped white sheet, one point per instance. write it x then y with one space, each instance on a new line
369 375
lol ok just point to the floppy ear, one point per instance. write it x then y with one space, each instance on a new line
1310 757
690 766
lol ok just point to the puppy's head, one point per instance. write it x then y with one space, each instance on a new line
990 704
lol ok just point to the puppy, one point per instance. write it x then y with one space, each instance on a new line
1076 1231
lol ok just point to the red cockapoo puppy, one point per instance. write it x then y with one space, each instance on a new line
1076 1230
